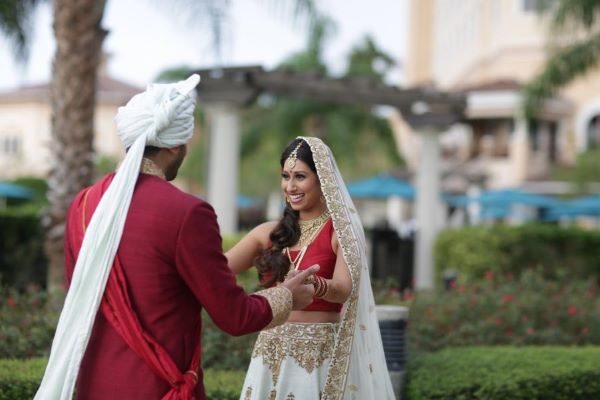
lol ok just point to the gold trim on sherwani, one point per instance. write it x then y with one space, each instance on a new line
150 168
280 300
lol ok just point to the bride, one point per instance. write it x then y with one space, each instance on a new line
331 349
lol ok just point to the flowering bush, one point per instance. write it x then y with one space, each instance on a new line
27 322
501 310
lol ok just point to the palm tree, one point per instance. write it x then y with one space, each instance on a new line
272 122
574 45
79 36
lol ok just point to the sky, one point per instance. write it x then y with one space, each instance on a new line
146 38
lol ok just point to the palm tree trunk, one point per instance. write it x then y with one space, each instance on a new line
79 39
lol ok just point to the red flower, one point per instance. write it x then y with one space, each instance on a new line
585 330
530 331
461 289
489 275
507 298
498 321
35 302
11 302
508 331
453 284
572 310
408 295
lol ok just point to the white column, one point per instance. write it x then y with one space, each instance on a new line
427 208
519 152
223 164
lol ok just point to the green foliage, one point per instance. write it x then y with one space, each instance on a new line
28 322
22 258
273 122
19 379
528 310
15 24
473 251
507 373
585 171
105 165
575 47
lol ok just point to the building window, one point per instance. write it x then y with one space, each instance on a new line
10 145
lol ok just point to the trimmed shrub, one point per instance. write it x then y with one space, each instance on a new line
19 379
528 310
507 373
471 252
22 259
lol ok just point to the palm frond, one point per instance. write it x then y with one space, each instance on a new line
15 24
562 67
569 14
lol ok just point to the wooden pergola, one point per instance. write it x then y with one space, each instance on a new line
224 91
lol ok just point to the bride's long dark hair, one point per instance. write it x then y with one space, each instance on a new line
273 262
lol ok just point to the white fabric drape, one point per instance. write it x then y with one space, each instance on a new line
162 116
358 369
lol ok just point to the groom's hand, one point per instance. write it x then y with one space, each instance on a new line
302 293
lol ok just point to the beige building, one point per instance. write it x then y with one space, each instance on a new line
25 117
488 49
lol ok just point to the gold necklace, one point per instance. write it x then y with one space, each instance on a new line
309 229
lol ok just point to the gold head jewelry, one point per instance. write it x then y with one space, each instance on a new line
291 161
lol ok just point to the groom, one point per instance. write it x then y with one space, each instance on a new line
145 342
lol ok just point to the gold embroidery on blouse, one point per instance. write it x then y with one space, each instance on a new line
308 344
340 215
150 168
280 300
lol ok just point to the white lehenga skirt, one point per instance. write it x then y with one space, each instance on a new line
290 362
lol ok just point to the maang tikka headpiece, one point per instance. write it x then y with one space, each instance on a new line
291 161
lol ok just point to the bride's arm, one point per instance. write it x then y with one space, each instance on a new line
241 256
340 284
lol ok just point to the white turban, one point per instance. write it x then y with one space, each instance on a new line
162 116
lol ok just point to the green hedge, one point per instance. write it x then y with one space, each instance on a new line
472 252
19 379
507 373
22 259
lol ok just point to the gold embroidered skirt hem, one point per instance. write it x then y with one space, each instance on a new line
290 362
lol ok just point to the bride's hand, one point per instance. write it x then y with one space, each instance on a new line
293 272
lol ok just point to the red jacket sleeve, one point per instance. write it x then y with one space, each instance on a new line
203 266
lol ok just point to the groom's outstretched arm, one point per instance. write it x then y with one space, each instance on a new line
202 265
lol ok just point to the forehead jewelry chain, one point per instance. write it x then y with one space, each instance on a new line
291 161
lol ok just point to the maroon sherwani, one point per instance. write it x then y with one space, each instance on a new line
172 259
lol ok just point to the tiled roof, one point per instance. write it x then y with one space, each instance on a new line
109 91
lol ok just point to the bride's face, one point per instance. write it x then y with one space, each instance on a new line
301 187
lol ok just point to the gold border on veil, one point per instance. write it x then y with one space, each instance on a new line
340 361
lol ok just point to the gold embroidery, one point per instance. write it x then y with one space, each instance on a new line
273 395
340 361
280 300
248 393
308 344
150 168
290 396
